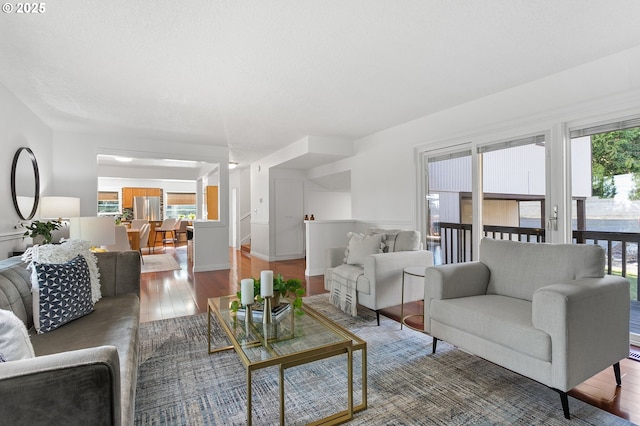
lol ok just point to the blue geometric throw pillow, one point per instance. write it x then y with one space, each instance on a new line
64 293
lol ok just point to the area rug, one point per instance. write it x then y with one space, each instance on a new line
180 383
159 263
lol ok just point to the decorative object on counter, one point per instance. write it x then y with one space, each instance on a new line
312 217
306 217
41 229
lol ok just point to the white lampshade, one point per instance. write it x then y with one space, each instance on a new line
99 231
59 207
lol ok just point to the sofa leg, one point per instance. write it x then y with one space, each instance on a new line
378 317
616 371
564 399
434 344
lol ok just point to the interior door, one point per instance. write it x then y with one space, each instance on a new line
289 217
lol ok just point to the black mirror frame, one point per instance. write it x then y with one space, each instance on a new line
36 173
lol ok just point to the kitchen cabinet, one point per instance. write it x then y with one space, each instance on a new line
128 193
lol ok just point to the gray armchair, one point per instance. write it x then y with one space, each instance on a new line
546 311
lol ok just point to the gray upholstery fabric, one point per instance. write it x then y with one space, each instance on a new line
499 319
519 269
106 377
546 311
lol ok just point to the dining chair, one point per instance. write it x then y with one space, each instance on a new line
168 225
144 238
122 240
137 223
181 229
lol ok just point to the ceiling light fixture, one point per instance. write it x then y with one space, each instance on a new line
232 165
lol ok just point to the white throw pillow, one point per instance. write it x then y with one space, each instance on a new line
407 241
14 338
360 247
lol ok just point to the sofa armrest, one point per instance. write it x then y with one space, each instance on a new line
78 387
451 282
333 257
587 320
384 272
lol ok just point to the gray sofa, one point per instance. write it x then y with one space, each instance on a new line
546 311
84 372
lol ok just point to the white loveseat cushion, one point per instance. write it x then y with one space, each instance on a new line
499 319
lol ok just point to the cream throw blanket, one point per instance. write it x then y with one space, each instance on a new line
342 293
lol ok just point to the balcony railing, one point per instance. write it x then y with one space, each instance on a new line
621 247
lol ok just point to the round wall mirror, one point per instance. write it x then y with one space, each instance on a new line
25 183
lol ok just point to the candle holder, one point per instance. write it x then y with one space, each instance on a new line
248 315
266 312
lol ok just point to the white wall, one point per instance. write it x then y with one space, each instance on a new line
20 127
327 205
384 170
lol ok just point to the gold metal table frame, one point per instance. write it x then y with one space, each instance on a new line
272 341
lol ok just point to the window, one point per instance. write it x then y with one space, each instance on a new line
108 203
181 205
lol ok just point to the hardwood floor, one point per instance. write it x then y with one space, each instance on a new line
178 293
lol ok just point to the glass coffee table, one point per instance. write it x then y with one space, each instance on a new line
289 341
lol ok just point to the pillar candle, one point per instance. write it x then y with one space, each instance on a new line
246 291
266 283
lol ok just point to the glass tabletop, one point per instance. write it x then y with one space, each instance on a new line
288 336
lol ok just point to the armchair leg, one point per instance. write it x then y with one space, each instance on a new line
616 371
564 399
378 317
434 345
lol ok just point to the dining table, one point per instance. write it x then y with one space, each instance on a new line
134 238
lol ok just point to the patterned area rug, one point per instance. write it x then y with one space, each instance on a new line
179 383
159 263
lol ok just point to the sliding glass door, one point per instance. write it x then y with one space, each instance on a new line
605 190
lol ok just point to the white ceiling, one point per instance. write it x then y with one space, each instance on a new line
258 75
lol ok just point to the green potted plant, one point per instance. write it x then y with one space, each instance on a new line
42 230
291 288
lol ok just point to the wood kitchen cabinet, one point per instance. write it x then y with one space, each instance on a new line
128 193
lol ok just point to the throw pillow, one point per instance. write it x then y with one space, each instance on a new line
407 241
14 338
388 239
360 247
60 253
63 293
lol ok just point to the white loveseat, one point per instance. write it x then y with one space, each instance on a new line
546 311
379 273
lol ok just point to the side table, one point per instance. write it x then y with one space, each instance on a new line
414 271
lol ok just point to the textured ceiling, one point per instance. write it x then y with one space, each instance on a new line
259 75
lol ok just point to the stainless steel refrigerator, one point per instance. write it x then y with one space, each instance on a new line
146 208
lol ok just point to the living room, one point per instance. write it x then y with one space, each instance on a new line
378 88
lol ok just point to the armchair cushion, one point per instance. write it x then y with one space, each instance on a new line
516 267
503 320
361 246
